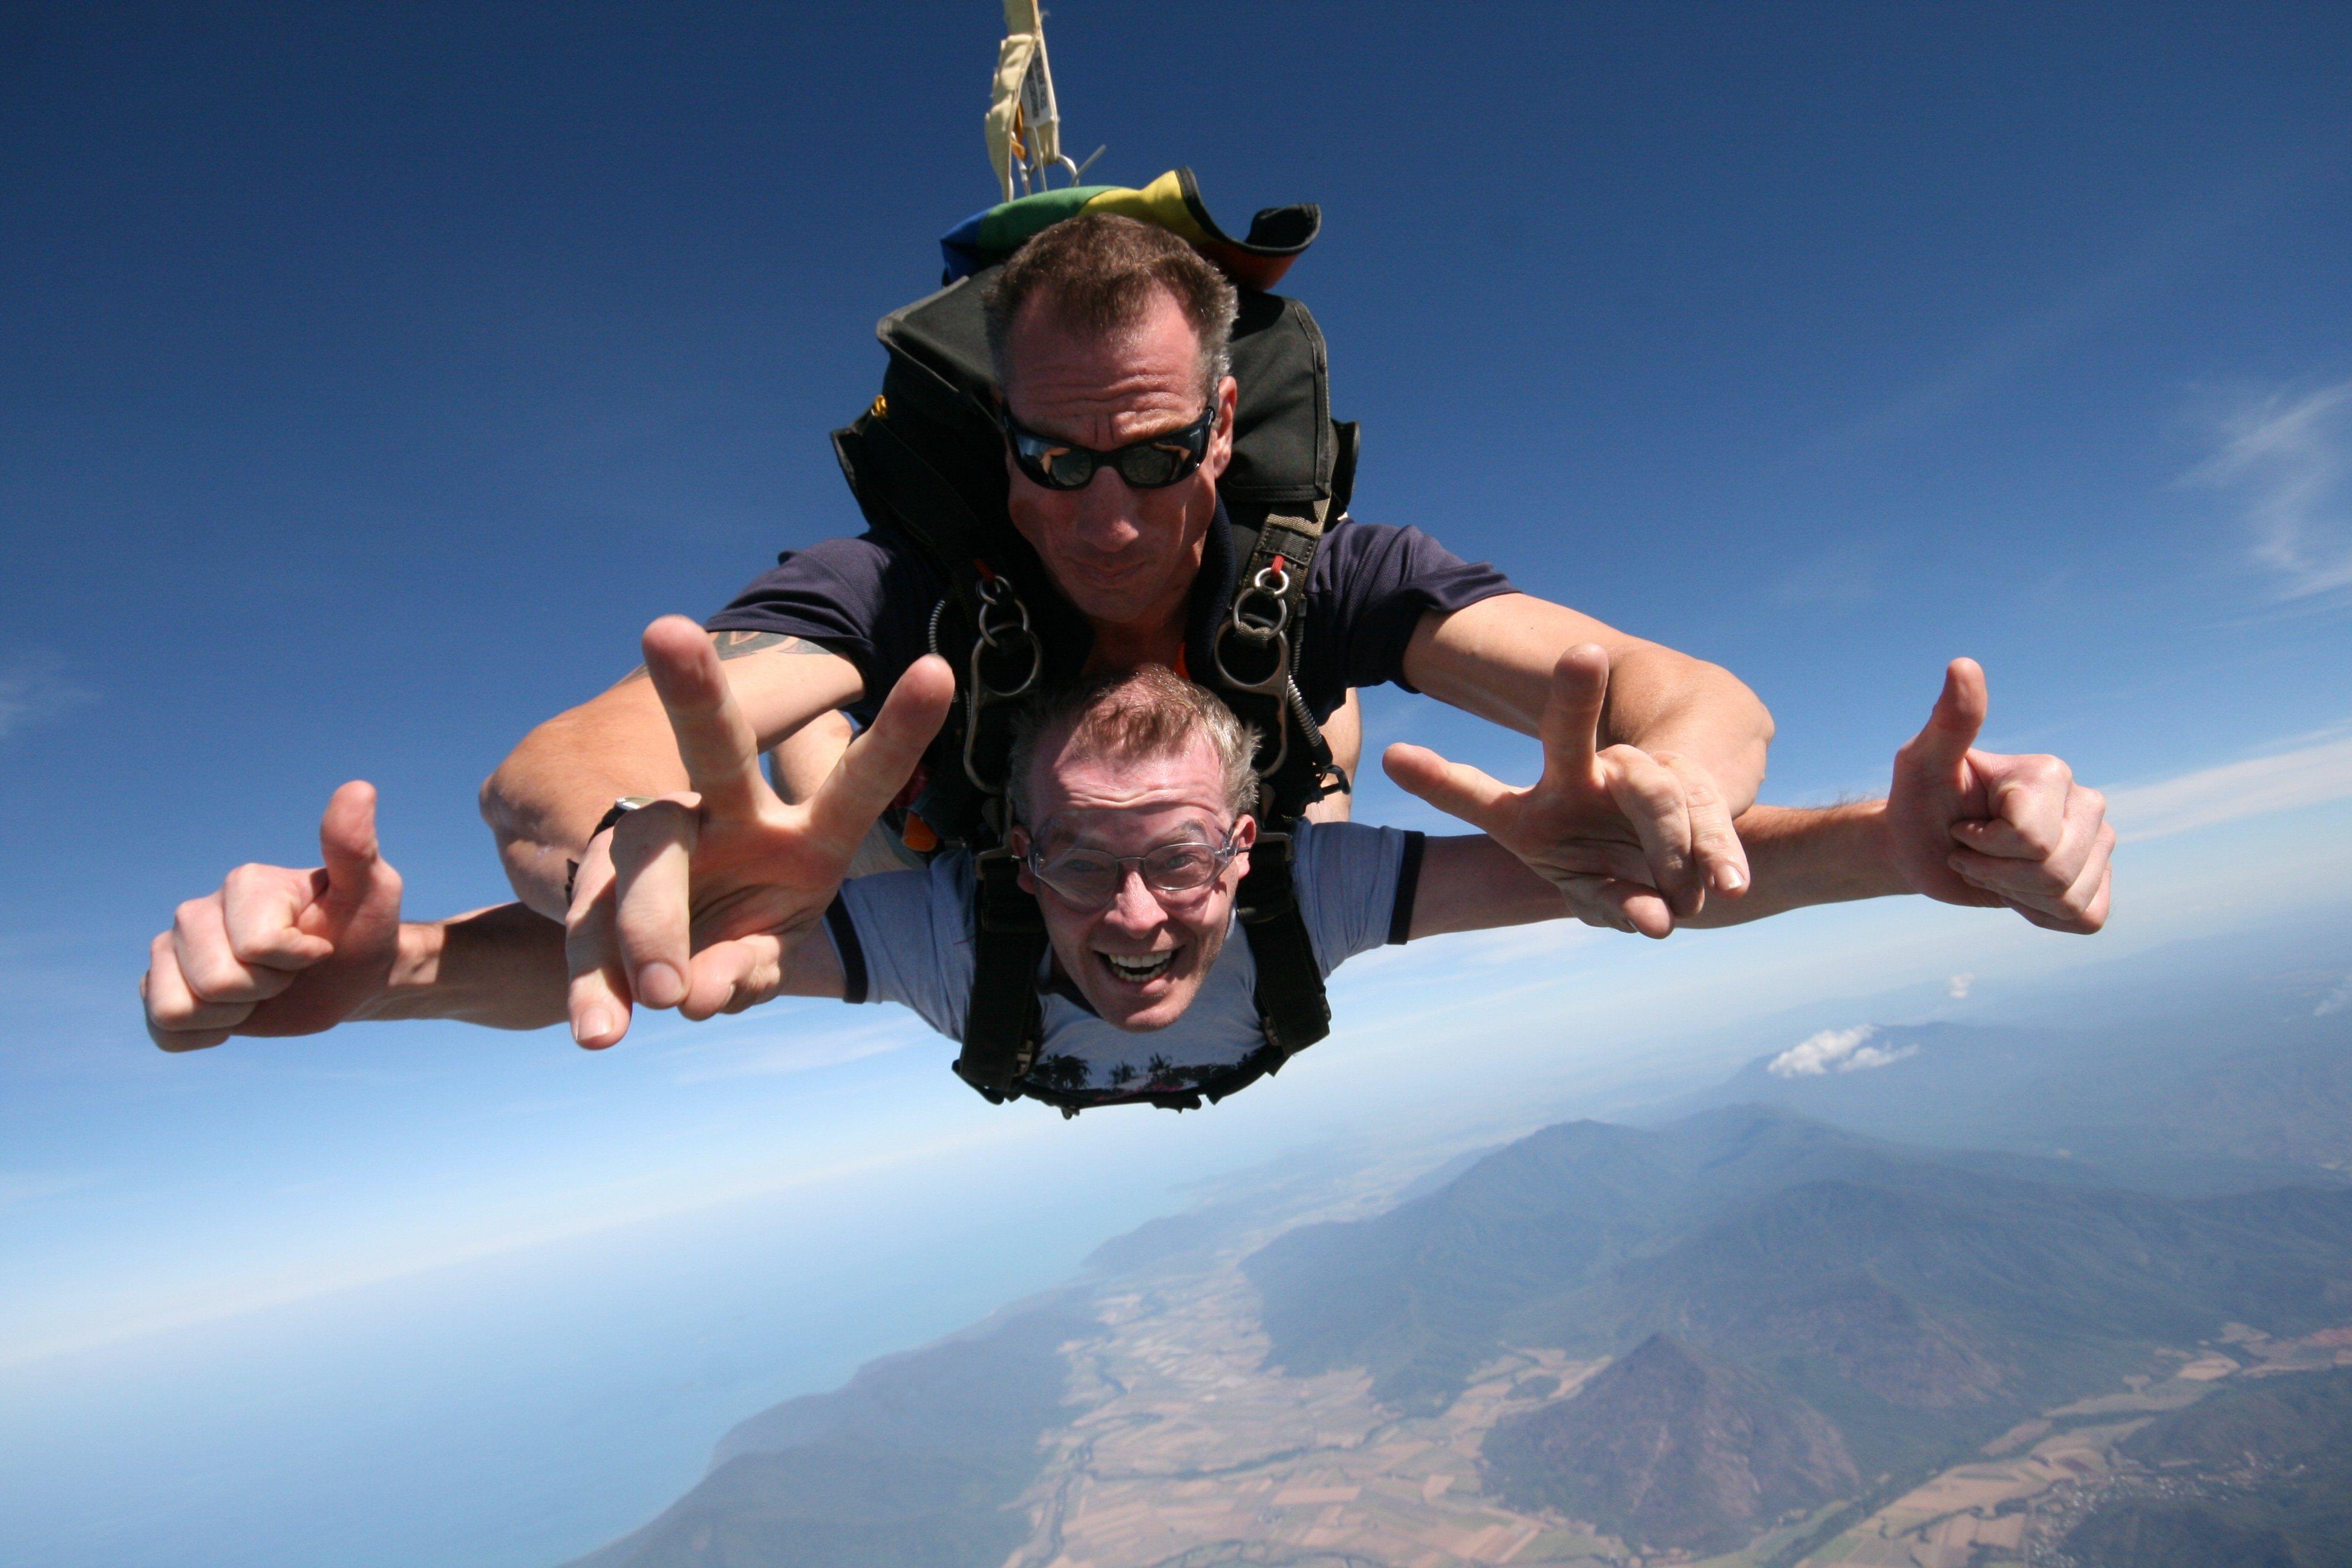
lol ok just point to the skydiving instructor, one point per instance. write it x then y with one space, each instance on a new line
1109 342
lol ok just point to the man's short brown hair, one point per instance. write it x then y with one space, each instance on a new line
1148 712
1098 273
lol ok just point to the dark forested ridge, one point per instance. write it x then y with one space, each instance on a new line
1672 1447
913 1463
1881 1276
1918 1305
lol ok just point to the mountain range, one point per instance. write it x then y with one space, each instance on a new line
1754 1270
2189 1105
1867 1257
1672 1447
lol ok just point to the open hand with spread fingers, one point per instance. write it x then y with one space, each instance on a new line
1633 840
1970 826
279 950
691 900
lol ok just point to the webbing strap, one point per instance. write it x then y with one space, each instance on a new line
1004 1018
1291 1006
1253 653
1287 542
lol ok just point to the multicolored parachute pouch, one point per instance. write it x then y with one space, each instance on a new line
1276 235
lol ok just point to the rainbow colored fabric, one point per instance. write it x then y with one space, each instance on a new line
1276 235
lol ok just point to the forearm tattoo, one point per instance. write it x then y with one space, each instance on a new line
741 645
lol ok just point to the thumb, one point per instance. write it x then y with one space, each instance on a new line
347 844
1942 747
1570 727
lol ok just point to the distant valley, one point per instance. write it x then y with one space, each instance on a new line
1950 1310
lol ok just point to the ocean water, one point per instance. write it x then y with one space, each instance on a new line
519 1411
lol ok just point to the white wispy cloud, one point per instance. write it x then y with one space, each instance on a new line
1836 1050
2285 458
1845 577
1958 986
35 687
2309 774
20 1187
2336 1001
770 1051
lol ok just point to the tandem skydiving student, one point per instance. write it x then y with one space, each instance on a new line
1132 800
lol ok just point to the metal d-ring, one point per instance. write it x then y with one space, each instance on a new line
1009 626
1003 622
1259 627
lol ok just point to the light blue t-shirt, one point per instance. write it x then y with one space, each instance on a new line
914 929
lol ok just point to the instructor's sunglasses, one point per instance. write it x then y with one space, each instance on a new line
1090 879
1151 464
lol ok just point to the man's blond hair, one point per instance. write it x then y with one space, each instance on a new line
1145 713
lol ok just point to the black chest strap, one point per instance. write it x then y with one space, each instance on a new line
1003 1019
1291 1006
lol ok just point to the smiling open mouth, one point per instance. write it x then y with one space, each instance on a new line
1137 969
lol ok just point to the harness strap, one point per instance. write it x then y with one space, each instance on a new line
1291 1006
1255 652
1005 1019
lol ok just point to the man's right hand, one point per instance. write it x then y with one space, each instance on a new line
1610 827
689 901
281 950
544 798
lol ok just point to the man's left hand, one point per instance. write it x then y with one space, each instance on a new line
1977 827
1633 840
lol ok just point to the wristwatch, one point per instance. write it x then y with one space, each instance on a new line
613 813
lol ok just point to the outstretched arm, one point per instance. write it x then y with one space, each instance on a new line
281 950
1799 858
278 949
1959 824
503 967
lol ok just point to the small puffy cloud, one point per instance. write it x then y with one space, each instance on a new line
1958 986
2285 459
1836 1050
2336 1001
33 687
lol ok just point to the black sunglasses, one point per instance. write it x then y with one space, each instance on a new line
1151 464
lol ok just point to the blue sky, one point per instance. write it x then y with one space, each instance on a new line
369 377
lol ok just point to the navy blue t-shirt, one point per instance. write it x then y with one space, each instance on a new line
869 599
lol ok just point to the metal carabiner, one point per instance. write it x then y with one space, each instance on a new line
1259 627
1011 627
1011 617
